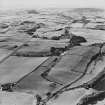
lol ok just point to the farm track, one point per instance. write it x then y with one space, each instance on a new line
45 74
34 69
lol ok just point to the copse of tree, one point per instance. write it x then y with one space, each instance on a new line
75 40
57 51
55 38
27 22
32 12
44 37
26 44
53 49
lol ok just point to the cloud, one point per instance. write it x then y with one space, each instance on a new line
52 3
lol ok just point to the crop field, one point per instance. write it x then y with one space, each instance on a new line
7 98
70 67
41 46
50 54
34 82
16 67
3 53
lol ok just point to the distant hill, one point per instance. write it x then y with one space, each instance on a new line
88 10
76 12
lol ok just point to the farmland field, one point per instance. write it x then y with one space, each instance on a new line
16 67
55 55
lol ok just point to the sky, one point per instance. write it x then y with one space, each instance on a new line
12 4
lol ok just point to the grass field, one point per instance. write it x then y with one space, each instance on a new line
42 45
15 68
72 66
3 53
15 98
34 82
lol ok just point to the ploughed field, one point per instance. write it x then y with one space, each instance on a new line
36 54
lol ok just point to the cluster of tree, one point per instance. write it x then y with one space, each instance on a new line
92 99
76 40
27 22
8 87
32 12
55 38
33 54
100 27
44 37
31 31
57 51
